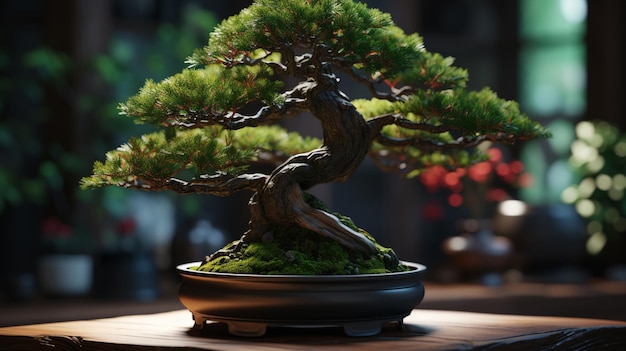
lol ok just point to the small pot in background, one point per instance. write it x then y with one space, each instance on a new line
65 274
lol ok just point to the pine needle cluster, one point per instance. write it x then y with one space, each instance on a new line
424 116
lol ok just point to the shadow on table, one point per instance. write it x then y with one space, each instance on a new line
317 335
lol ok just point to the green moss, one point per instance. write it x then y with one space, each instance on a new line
298 251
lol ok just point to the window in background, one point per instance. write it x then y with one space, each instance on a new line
552 88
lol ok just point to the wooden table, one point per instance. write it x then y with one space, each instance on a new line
423 330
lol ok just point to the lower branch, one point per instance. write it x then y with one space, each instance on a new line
219 185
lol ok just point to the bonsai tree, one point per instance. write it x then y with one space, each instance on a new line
220 118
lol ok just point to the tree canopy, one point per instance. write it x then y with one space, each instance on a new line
222 114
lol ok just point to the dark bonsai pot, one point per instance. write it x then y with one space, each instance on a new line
249 303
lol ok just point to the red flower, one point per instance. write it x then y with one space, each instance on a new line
483 181
480 171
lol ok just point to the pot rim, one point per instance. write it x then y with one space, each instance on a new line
184 269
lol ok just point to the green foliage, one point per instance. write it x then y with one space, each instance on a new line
354 34
155 158
599 159
193 152
239 72
50 65
471 113
433 71
35 169
476 115
273 139
195 94
32 172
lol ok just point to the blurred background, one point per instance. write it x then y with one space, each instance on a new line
548 211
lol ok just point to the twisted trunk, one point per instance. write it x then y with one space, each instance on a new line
280 202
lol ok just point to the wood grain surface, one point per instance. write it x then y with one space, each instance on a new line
422 330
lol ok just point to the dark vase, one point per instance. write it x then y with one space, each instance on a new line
127 275
550 240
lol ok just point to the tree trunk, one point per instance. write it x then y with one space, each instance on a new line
280 203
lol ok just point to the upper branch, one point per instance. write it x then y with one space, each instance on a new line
462 142
235 120
394 94
376 124
426 143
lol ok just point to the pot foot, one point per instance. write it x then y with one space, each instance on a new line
198 321
247 329
362 328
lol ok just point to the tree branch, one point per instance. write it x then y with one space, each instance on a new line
235 120
376 124
389 162
459 143
394 94
218 185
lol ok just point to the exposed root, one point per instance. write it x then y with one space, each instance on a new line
327 224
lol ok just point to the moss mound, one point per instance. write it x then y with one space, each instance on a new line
302 252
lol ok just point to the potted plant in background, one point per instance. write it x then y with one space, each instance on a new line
134 231
126 268
480 191
39 162
599 158
66 266
299 263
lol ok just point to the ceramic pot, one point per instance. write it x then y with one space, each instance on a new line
551 236
249 303
478 253
65 274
